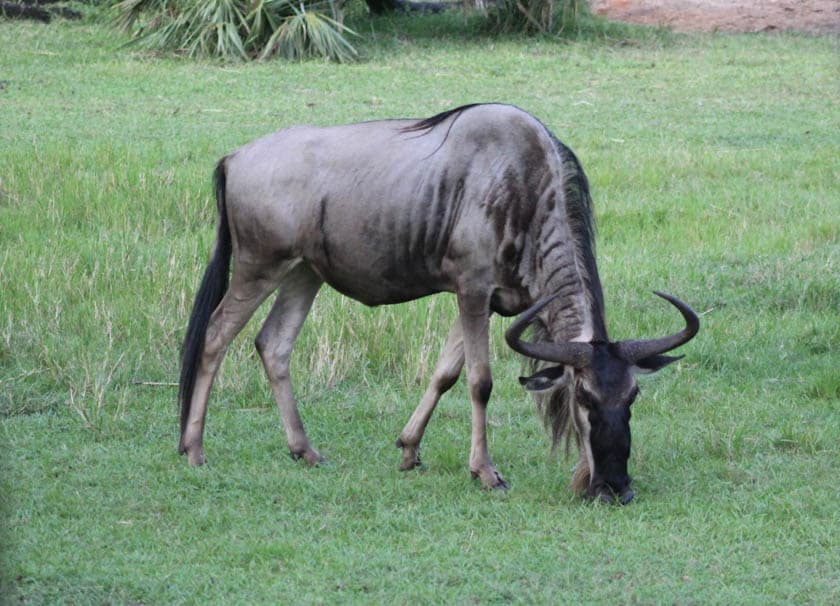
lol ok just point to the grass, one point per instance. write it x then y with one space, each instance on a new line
714 171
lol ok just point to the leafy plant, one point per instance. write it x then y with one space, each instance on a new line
239 29
543 16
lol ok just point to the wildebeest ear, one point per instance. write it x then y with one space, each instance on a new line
544 379
651 364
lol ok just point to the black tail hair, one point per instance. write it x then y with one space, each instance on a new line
214 284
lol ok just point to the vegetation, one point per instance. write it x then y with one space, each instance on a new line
714 173
246 29
239 29
541 16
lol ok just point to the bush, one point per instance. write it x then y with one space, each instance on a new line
543 16
239 29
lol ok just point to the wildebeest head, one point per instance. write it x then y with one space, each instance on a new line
600 386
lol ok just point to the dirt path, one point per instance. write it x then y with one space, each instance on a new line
811 16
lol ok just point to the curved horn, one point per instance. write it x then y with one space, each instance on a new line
570 353
634 351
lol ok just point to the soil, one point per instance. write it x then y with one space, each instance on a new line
809 16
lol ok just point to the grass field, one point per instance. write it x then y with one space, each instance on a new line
714 167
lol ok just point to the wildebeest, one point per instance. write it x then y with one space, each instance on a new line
482 201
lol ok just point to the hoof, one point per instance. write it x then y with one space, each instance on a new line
413 464
410 457
491 479
408 465
195 456
310 455
411 460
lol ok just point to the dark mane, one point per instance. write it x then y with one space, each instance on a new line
581 217
428 124
556 406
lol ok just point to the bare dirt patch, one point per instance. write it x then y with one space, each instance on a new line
810 16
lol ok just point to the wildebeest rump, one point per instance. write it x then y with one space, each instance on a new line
482 201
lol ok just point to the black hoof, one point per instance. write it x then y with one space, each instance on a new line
499 484
503 486
416 464
301 456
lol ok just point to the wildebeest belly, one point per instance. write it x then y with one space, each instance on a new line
389 248
374 280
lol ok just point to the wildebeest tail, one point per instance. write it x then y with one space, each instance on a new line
213 287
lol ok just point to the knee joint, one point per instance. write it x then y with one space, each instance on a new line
481 389
276 363
445 382
212 353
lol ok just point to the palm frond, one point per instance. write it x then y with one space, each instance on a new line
127 12
239 29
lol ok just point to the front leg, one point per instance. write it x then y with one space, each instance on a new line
475 322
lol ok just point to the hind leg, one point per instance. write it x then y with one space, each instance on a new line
241 300
446 373
274 344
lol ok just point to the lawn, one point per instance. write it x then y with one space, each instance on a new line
714 167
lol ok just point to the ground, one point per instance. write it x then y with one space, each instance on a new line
810 16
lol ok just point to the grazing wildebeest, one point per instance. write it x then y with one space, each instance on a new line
482 201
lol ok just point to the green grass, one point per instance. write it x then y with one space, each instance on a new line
713 161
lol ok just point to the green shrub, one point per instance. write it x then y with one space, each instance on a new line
543 16
239 29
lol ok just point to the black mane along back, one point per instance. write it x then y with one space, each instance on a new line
428 124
